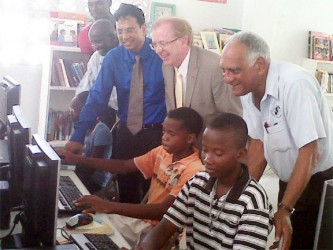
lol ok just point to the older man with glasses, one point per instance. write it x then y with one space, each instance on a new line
192 75
117 70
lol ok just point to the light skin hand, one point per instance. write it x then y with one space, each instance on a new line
283 229
74 147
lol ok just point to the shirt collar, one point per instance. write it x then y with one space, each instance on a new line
144 52
237 189
189 159
271 80
183 68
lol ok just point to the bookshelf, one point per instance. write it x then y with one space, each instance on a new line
56 95
313 65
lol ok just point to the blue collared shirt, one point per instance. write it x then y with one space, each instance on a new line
116 72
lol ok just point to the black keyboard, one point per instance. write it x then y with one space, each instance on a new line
94 242
68 192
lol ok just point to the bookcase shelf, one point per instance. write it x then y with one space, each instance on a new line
55 100
312 65
62 88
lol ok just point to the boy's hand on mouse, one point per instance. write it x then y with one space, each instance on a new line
95 204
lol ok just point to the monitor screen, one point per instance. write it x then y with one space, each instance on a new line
40 194
9 96
18 134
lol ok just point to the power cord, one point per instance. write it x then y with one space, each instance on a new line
16 221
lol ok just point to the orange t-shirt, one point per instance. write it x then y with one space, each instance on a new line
167 177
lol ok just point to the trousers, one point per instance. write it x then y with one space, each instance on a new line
133 186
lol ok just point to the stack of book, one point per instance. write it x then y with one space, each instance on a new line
320 46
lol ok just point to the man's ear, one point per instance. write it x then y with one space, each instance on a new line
261 65
191 138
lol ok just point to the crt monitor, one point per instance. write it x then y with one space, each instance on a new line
40 194
18 135
9 96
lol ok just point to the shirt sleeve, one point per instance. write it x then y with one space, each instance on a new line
102 135
179 211
97 101
186 175
145 163
302 107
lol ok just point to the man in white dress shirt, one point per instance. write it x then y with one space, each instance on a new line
103 38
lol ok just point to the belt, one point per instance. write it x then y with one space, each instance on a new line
153 125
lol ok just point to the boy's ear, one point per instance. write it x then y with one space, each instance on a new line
191 138
242 155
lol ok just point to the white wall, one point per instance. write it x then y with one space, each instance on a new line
30 78
203 15
285 24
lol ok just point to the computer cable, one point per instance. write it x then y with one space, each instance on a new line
15 222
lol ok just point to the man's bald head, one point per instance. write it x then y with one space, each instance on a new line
102 36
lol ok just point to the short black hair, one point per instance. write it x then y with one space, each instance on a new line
79 100
190 118
130 10
232 122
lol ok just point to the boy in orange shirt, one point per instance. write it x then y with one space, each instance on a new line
169 166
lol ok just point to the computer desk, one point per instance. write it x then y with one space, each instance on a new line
103 218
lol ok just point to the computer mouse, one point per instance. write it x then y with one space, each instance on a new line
79 220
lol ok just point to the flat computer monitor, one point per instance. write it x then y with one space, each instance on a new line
324 229
40 194
9 96
18 136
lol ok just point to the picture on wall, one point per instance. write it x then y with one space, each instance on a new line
159 10
209 40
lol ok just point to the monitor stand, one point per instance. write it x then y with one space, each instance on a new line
13 241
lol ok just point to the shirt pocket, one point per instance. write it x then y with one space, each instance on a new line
278 138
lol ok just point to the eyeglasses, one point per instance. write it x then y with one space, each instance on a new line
162 44
130 30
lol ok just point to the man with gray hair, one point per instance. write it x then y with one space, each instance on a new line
291 129
203 88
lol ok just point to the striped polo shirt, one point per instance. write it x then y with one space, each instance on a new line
241 219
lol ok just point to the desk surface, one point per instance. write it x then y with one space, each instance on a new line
100 218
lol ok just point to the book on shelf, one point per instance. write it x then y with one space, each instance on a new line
59 126
319 46
64 74
325 80
197 40
65 27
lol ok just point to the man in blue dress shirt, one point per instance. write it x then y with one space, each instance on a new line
116 72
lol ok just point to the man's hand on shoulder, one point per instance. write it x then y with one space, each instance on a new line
74 147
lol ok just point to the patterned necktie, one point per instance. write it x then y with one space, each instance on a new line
135 106
179 89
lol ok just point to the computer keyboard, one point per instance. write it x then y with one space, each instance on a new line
68 192
94 242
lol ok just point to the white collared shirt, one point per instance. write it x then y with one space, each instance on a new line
293 113
183 69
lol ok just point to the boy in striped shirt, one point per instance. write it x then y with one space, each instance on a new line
222 207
